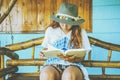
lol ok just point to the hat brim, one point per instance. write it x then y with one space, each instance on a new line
67 21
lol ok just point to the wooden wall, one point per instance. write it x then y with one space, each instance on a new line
34 15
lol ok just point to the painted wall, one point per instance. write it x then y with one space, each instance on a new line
105 26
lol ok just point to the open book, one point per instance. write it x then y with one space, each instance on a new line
53 53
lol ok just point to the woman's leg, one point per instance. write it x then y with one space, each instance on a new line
72 73
49 73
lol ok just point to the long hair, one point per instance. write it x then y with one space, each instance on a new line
76 38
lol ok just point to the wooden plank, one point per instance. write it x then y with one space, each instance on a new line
26 44
40 19
39 62
103 44
54 6
19 16
80 8
90 16
25 25
87 7
59 2
24 10
47 13
30 17
106 64
34 11
34 15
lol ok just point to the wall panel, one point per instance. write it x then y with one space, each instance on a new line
34 15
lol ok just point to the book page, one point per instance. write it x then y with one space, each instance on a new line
53 53
77 52
70 52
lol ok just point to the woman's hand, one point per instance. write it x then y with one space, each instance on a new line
72 58
67 58
42 53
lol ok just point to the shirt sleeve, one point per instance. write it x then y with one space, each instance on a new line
85 41
46 38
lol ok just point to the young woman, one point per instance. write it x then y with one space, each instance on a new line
65 33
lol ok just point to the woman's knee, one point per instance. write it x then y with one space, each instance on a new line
72 73
49 73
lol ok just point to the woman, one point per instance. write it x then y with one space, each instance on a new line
65 33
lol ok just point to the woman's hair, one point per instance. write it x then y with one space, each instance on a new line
76 37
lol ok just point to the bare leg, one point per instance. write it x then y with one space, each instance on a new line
49 73
72 73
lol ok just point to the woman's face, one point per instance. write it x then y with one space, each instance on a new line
65 27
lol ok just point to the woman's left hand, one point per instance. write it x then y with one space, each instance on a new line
67 58
72 58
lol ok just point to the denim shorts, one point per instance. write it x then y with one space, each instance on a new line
60 68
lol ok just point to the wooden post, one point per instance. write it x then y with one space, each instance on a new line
0 61
38 69
89 56
103 71
109 55
2 65
33 52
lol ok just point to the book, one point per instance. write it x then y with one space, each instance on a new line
53 53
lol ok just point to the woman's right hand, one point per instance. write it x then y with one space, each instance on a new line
42 53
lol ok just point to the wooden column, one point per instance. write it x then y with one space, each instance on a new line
109 55
33 52
2 64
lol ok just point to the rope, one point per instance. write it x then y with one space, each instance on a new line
11 31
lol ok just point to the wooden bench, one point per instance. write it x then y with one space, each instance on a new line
38 62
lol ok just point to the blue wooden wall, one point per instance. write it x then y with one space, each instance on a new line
105 26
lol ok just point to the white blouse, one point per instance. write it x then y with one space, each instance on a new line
55 37
58 39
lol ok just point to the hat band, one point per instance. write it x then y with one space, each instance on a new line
67 17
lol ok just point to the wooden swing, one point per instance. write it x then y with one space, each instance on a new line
14 62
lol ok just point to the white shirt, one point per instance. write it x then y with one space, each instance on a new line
54 37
